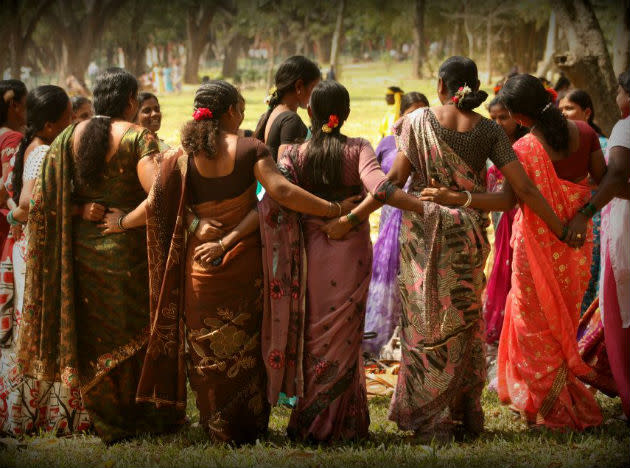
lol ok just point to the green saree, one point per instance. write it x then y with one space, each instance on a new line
86 308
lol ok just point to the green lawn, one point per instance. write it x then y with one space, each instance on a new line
506 442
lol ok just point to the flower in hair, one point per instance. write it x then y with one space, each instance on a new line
333 122
461 92
554 95
8 95
202 113
273 92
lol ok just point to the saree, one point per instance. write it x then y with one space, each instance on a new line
213 310
313 319
442 256
86 303
539 360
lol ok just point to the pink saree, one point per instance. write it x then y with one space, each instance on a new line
539 360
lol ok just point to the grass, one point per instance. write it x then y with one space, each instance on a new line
506 442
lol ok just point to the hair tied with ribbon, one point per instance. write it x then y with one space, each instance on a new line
461 92
333 122
202 113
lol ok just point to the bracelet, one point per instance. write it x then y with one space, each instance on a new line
120 222
338 206
565 231
194 225
353 219
221 244
329 214
468 200
10 219
588 210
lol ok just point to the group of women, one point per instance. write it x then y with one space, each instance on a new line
146 266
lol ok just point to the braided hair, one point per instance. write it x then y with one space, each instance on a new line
525 94
43 104
323 160
290 72
200 136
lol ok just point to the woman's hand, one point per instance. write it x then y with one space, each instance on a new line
349 203
577 227
337 228
441 195
92 212
207 252
209 230
110 221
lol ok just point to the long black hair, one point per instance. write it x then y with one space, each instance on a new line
525 94
583 99
410 99
323 161
289 73
10 90
112 91
43 104
457 72
200 136
624 81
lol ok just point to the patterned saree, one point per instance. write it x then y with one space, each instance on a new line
86 307
442 256
539 359
216 310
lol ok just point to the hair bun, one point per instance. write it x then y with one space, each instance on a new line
472 100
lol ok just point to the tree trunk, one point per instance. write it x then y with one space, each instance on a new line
469 33
621 44
550 47
489 48
418 40
323 48
193 54
232 51
334 47
587 63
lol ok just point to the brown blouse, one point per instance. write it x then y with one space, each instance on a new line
248 152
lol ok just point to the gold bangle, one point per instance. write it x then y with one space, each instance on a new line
338 206
221 244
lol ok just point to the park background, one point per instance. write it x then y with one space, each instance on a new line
373 45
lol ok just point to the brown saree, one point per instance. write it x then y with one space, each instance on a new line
218 308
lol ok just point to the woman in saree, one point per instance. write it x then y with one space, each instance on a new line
382 310
207 283
29 405
443 253
539 361
317 287
86 305
614 288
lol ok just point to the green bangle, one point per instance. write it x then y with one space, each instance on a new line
588 210
194 225
353 219
11 220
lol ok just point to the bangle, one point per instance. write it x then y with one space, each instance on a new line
120 222
338 206
565 231
10 219
353 219
588 210
468 199
194 225
221 244
329 214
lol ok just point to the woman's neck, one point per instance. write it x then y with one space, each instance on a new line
290 103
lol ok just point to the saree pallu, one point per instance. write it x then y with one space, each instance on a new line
223 311
315 313
86 307
442 256
539 360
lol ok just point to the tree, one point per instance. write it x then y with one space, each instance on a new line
334 48
550 47
621 45
587 63
22 18
200 14
418 39
80 26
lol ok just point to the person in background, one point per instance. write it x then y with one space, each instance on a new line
562 85
383 301
614 288
392 98
150 116
33 405
82 109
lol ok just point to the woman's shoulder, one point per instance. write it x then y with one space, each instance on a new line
251 146
357 143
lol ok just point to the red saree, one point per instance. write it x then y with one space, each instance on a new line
539 360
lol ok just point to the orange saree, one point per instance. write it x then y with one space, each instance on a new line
539 360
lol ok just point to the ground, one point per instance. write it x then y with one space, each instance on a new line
506 442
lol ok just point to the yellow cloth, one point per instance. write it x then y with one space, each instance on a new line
391 116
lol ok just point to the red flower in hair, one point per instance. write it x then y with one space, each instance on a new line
333 121
202 113
455 99
553 93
